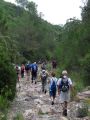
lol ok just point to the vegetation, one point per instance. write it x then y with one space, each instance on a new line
82 111
24 35
19 116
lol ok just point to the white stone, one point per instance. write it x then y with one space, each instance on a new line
28 112
38 101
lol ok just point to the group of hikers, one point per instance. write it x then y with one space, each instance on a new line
61 85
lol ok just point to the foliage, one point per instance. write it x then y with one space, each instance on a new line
19 116
7 77
24 35
4 103
3 116
86 69
82 111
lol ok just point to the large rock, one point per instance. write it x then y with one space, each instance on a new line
45 109
29 114
84 95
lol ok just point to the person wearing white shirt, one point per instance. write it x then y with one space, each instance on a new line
64 86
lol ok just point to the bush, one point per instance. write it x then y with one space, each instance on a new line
19 116
77 80
82 111
7 78
3 116
86 69
4 103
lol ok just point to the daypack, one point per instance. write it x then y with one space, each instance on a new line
27 67
43 66
64 85
53 85
43 75
34 68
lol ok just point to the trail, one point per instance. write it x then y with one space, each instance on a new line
35 105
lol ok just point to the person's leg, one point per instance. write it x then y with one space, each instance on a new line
32 76
45 85
54 95
51 96
23 74
42 85
65 104
35 77
65 108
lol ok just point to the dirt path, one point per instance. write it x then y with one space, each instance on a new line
35 105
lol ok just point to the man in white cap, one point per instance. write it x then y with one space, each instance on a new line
64 85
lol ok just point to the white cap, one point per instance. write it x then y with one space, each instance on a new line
64 72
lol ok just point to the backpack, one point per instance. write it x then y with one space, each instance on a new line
43 66
64 85
53 85
34 68
27 67
43 75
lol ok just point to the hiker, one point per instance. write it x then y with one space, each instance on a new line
54 64
52 87
27 68
44 76
18 72
34 69
22 70
64 86
43 66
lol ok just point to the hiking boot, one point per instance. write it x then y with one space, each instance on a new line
32 81
52 103
45 91
65 112
35 82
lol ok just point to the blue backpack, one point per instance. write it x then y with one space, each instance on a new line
53 85
34 68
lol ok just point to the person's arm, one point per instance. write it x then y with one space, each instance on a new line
48 80
70 84
58 86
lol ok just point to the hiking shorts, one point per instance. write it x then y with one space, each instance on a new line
64 96
52 93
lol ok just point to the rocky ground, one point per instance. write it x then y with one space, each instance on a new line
35 105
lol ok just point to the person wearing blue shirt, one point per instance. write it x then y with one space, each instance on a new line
34 69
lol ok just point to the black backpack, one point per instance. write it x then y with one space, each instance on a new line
43 76
27 67
64 85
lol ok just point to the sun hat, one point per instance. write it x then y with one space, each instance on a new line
64 72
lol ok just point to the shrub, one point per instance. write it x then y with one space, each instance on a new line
86 69
19 116
82 111
3 116
4 103
7 78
